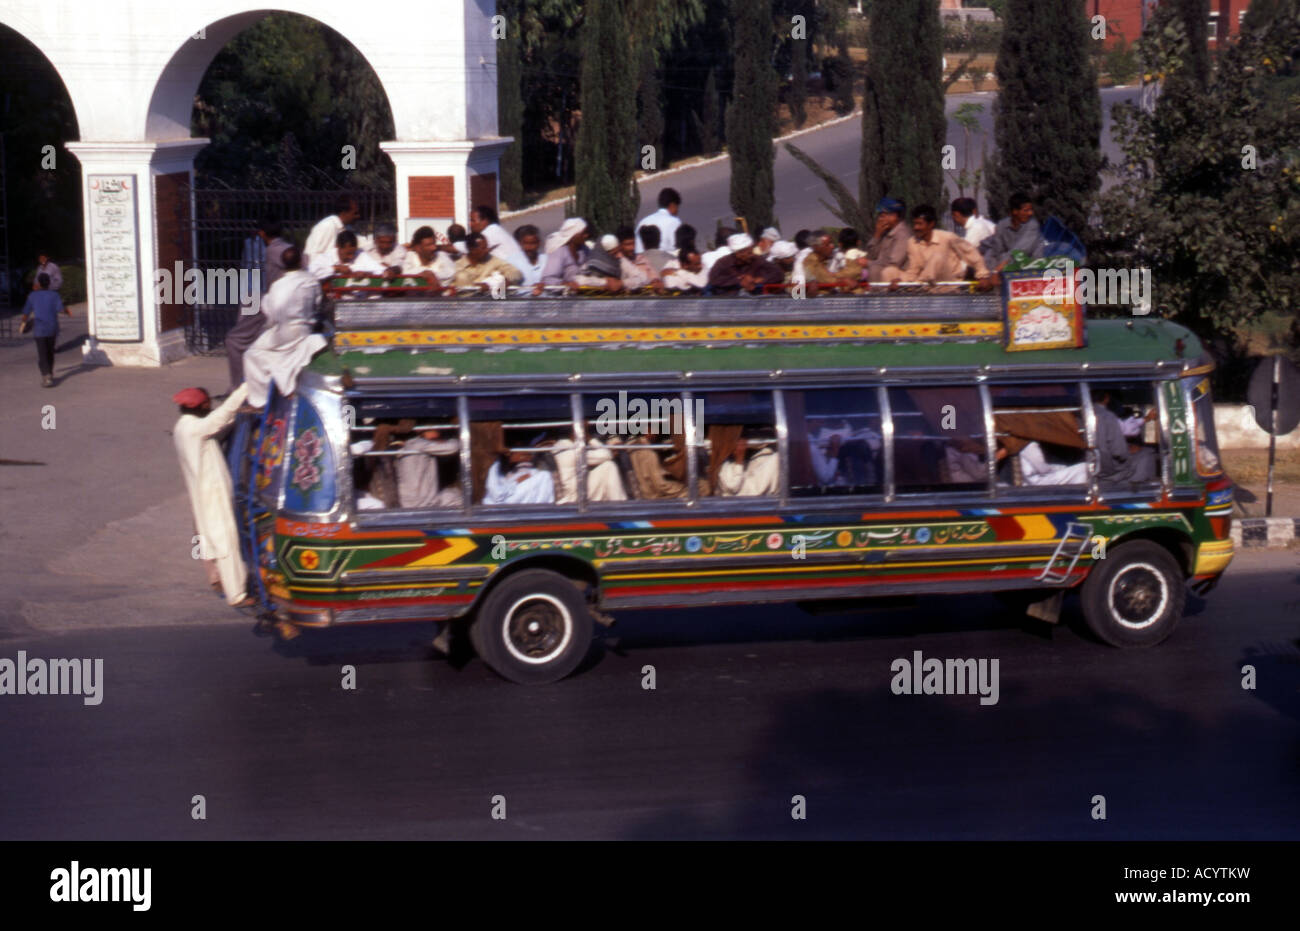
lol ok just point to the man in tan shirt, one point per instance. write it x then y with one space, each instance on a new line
478 264
816 266
938 255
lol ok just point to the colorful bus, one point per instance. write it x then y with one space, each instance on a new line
527 467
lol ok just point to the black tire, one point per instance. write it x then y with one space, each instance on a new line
1135 597
532 628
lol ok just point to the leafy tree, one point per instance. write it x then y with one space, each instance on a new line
751 121
1208 193
903 124
1047 118
606 153
288 75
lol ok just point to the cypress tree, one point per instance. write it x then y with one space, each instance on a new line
903 123
650 129
510 104
799 81
751 121
706 121
605 153
1047 118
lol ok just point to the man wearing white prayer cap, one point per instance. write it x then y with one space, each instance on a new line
767 239
738 241
566 252
744 269
782 254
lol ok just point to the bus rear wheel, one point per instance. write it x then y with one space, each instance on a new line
532 628
1135 597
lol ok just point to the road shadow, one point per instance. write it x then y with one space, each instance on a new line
868 764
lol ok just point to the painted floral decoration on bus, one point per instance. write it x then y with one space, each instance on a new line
270 453
306 454
311 483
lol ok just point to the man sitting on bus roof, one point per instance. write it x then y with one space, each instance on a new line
686 272
743 270
477 266
290 339
634 271
323 238
386 251
1018 231
567 258
938 255
887 251
428 261
817 264
346 261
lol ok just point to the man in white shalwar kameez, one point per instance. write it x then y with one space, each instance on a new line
208 482
761 475
603 480
288 343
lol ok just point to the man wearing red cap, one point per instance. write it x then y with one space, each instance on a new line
208 483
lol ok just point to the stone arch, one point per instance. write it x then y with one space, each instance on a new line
38 39
172 100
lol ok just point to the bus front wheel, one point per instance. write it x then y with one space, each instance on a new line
532 628
1135 597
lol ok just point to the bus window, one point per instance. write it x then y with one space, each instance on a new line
835 441
1207 441
510 447
636 446
938 439
1128 433
1040 434
740 439
406 454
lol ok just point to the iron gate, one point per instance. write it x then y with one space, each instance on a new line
225 220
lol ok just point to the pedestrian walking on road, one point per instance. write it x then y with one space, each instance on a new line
42 307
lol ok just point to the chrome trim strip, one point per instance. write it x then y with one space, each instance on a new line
579 428
990 438
402 576
693 433
466 459
1166 437
1090 435
782 445
887 436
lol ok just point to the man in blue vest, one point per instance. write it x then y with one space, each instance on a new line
42 307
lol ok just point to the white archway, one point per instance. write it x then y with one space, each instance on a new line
132 67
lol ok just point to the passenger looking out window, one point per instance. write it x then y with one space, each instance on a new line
1119 460
515 479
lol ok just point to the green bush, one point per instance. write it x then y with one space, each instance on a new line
1121 62
972 36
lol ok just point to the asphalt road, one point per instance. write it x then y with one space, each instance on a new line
753 706
705 190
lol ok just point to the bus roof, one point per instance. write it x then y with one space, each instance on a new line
660 340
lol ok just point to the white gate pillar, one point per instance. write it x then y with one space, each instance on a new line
438 182
136 209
